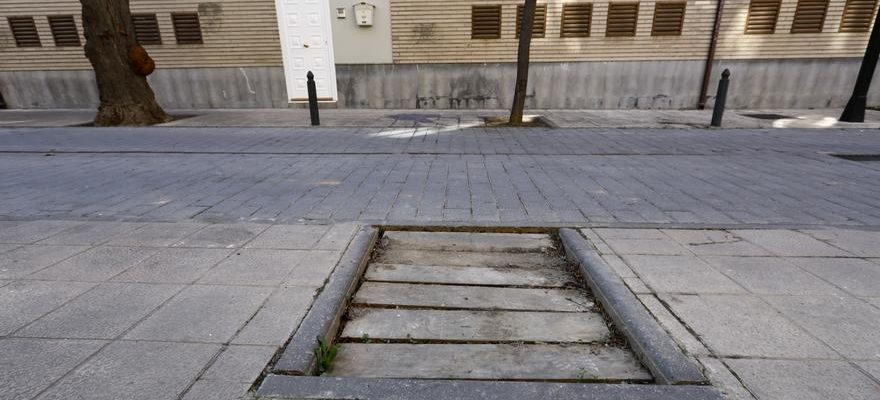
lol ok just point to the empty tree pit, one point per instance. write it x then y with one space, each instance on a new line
434 314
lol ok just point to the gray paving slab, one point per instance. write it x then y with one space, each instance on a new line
241 364
859 242
135 370
225 236
488 361
337 237
96 264
488 276
475 326
30 365
630 234
24 301
314 268
290 237
467 241
278 318
873 300
104 312
871 367
211 314
619 266
157 234
685 339
724 380
7 247
257 267
715 243
664 246
26 260
316 387
848 325
804 379
217 390
856 276
465 259
91 233
174 265
30 232
681 274
770 275
743 326
790 243
471 297
637 286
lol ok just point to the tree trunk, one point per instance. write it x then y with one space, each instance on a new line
126 97
522 67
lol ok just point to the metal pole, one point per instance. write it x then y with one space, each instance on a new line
855 108
720 99
710 58
313 99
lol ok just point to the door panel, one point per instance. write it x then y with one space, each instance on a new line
307 46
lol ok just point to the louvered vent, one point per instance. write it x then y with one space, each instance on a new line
809 16
24 30
762 16
64 30
857 15
486 22
187 29
576 20
668 18
540 27
146 29
622 19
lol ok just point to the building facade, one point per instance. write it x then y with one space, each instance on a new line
452 53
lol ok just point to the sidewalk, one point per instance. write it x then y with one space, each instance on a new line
457 119
111 310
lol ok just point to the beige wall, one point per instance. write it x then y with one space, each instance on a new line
439 32
734 44
237 33
353 44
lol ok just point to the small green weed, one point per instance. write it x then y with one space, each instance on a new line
365 338
325 354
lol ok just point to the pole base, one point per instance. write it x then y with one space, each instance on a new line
855 109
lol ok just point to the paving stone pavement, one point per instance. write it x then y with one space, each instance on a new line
486 176
102 310
771 314
173 262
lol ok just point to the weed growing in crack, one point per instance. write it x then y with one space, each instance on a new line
365 338
325 354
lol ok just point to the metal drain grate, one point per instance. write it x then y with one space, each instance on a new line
768 116
859 157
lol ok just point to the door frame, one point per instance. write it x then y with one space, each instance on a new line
285 50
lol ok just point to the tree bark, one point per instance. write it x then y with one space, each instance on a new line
522 67
126 97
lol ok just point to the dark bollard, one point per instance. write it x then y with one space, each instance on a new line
720 99
313 99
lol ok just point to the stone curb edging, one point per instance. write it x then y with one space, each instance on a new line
648 340
324 317
317 387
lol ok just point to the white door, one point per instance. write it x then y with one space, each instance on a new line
307 45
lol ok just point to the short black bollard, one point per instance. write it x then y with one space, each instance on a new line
720 99
313 99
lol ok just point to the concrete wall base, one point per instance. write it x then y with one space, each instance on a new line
812 83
